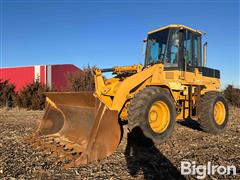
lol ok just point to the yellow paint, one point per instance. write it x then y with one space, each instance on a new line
175 86
48 101
124 112
159 117
116 91
176 26
135 67
127 85
219 112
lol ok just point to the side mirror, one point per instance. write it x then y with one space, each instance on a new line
144 46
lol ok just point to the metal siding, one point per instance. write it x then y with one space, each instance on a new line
60 75
54 76
20 76
42 74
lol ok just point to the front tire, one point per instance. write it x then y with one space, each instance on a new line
153 111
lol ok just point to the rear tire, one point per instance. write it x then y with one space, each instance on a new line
213 112
153 111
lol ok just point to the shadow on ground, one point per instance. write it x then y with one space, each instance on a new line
143 157
190 123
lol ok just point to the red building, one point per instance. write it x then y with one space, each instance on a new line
54 76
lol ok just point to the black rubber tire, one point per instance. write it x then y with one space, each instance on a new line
206 112
138 113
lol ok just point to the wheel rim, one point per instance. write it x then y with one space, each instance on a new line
219 112
159 116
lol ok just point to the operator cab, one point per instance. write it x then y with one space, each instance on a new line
177 47
172 45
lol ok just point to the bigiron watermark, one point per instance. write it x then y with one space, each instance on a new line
201 171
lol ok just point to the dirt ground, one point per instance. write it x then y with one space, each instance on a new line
130 161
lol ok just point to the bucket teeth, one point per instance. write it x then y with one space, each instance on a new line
45 147
66 152
65 158
38 143
82 159
76 128
47 151
56 152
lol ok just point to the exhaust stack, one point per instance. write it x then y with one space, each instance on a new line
205 54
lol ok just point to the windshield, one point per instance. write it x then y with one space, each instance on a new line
162 47
156 47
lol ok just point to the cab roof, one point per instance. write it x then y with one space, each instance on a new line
176 26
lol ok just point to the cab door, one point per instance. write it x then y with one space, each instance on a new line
188 51
192 50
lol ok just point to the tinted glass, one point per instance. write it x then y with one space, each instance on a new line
188 48
172 55
156 47
154 51
197 50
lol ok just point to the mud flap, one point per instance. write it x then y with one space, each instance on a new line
79 127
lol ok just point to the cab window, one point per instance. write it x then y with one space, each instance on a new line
188 48
156 47
197 50
172 54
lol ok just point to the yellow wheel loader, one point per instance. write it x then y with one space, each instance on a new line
174 84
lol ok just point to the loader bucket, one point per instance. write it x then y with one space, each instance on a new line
78 128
